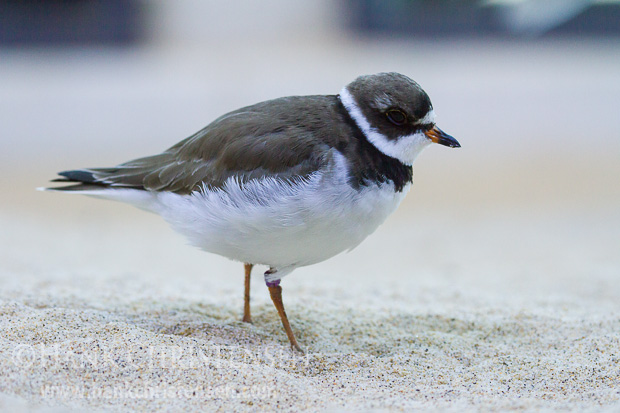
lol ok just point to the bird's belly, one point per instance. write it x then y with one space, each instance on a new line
280 224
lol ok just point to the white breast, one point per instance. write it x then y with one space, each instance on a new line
280 224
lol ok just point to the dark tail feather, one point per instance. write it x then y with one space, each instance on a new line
85 180
79 175
76 187
96 178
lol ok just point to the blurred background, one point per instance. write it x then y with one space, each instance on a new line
530 88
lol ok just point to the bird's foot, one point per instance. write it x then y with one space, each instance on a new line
297 350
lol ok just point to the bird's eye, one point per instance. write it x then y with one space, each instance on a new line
397 117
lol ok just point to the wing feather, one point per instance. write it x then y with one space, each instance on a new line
283 138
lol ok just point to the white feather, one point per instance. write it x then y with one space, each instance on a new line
272 222
406 148
428 119
136 197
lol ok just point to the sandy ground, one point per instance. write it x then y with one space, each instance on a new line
493 287
502 308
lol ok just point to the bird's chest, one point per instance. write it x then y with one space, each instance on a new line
344 218
280 224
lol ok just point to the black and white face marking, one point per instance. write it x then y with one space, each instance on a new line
394 113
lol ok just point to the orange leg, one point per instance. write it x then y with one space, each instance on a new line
247 317
276 296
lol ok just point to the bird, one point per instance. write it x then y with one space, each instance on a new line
284 183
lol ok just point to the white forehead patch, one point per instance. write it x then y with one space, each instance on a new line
428 119
405 148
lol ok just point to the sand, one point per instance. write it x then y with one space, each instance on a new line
516 310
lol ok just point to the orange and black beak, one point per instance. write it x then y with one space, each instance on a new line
442 138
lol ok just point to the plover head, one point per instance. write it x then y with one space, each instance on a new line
395 114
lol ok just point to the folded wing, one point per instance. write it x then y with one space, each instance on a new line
267 139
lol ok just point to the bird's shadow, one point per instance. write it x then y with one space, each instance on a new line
319 330
334 336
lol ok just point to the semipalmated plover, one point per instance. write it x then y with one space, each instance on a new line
286 183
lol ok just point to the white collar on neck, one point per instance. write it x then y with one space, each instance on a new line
405 148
